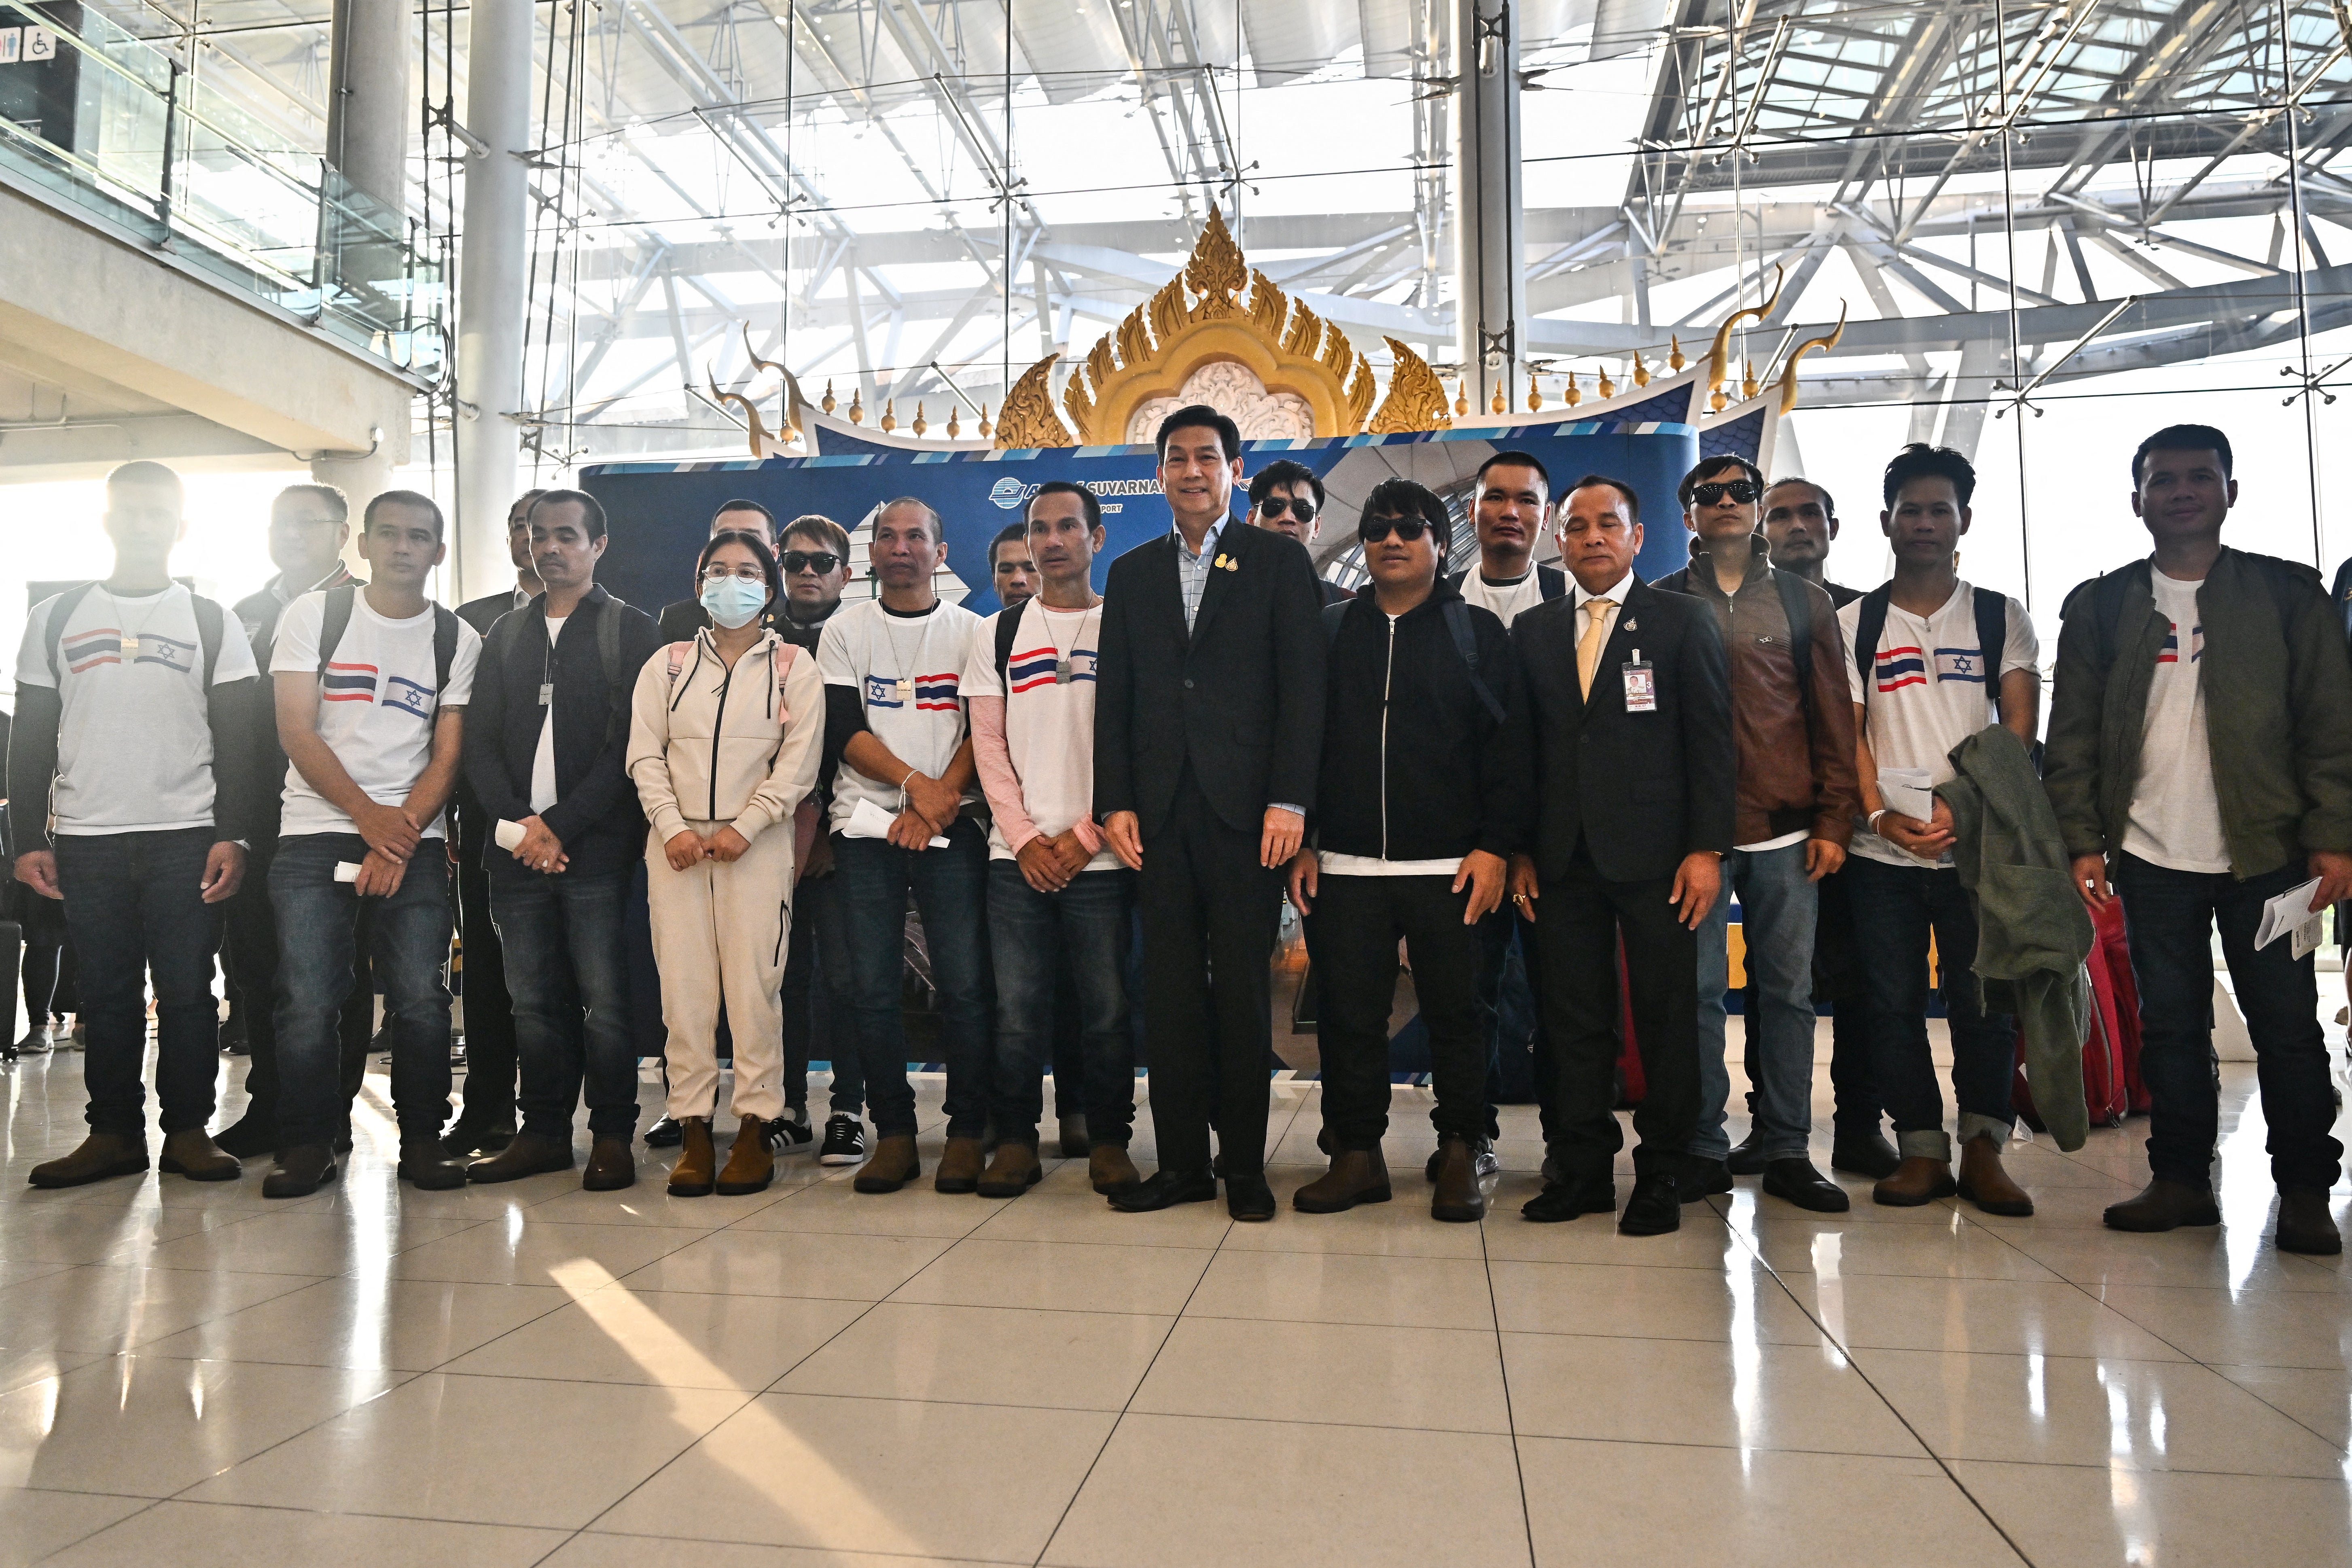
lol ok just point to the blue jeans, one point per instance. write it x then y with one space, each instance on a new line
2169 916
1777 914
950 889
1895 909
134 907
820 1008
1083 929
317 951
563 939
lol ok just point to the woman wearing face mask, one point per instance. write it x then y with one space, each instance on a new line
723 744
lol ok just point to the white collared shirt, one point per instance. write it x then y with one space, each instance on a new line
1615 595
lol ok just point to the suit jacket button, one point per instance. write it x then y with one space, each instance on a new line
1188 686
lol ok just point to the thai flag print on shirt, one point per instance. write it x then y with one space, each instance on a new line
2170 652
1026 671
933 693
103 644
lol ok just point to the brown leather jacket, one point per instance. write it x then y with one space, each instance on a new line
1796 757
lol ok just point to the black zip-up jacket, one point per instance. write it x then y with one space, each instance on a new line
1415 765
595 811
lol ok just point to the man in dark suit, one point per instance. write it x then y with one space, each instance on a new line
1208 732
486 1123
1626 690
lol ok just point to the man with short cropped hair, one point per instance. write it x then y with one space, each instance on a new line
1208 731
1793 732
2201 764
1512 512
372 685
1011 572
135 733
1636 794
1932 661
308 526
547 733
1287 497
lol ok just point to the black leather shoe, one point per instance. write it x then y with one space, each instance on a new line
299 1171
1565 1200
1795 1181
2304 1224
526 1154
1165 1189
2164 1205
248 1137
665 1134
1249 1198
1748 1158
465 1138
1699 1179
424 1166
1865 1154
1655 1207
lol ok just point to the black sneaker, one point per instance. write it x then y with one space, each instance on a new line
845 1142
665 1134
792 1133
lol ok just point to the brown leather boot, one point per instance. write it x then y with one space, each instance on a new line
95 1158
750 1163
611 1165
2164 1205
1109 1169
1919 1179
960 1166
697 1161
1356 1176
195 1155
2305 1226
1984 1183
893 1164
1013 1171
1458 1196
526 1154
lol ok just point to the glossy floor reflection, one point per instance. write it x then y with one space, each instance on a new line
528 1373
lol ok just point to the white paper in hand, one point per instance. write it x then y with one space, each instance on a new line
867 820
2291 914
507 834
1910 791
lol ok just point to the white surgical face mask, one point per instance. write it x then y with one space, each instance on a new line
734 601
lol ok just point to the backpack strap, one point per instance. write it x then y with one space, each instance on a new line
67 603
1869 626
676 655
209 624
782 660
445 650
1008 631
1465 642
1798 606
1992 635
334 620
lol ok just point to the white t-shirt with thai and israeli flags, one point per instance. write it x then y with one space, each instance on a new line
1930 690
908 672
1049 724
2176 819
135 743
376 703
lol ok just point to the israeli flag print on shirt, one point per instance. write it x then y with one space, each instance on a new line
1960 664
103 644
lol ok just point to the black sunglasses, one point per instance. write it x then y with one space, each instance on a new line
1744 492
821 562
1275 506
1375 529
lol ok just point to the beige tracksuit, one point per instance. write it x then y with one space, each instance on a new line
717 749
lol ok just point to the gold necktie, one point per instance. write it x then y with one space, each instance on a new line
1588 651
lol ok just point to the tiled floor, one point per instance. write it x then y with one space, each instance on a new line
524 1375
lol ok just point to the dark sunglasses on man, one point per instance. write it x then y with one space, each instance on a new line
821 562
1372 529
1276 506
1744 492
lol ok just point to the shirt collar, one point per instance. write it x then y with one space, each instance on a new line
1208 540
1616 592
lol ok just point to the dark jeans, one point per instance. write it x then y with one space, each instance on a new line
490 1045
1070 1061
950 889
318 920
135 907
1035 937
1895 910
1351 940
1837 980
2169 916
1509 1008
1578 920
819 1006
48 961
251 939
570 987
1210 914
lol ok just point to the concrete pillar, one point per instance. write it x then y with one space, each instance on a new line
492 266
1490 286
369 111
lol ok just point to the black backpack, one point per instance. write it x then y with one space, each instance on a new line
1992 610
336 619
209 622
1457 624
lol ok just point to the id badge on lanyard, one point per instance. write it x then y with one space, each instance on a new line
1640 684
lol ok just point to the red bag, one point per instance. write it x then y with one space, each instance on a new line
2106 1092
2116 945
